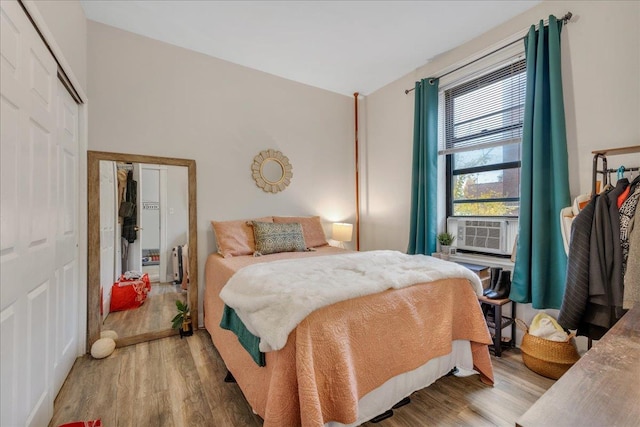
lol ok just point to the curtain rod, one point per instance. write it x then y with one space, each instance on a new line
565 18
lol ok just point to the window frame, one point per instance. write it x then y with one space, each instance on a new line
450 172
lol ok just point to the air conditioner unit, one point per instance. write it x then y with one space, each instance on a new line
484 234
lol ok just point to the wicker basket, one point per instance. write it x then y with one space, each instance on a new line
547 358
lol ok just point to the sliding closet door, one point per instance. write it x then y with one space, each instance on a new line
65 298
38 202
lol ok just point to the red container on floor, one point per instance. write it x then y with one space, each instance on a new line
144 278
129 294
94 423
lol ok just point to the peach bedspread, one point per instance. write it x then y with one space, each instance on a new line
341 352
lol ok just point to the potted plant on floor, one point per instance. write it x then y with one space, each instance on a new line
182 320
445 239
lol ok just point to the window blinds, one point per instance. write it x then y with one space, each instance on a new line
486 111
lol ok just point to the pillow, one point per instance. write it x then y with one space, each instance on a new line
272 238
236 237
311 228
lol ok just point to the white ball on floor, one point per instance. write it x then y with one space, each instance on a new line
109 334
103 348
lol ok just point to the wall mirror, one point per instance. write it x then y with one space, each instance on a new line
164 206
271 171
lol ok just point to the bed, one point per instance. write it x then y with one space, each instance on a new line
352 360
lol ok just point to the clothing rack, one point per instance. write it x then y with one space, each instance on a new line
605 171
602 155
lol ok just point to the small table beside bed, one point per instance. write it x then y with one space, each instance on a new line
352 353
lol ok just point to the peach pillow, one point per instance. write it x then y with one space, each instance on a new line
311 229
236 237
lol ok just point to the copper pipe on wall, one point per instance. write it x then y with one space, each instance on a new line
355 101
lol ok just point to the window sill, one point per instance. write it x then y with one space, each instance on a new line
488 260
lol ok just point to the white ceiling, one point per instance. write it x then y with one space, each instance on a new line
341 46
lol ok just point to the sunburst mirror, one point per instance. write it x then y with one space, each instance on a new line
271 171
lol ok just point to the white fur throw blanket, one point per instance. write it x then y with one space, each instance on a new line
272 298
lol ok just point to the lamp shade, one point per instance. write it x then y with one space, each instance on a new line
342 231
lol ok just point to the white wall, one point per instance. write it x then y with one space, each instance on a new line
68 25
150 218
177 206
148 97
177 212
601 69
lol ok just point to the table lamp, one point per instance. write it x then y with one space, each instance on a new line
341 232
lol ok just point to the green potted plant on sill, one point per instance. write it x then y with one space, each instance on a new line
445 239
182 320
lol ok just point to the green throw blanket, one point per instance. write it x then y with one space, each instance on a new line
231 322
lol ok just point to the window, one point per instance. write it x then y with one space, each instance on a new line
482 135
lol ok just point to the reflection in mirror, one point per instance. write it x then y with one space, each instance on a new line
144 236
272 171
140 229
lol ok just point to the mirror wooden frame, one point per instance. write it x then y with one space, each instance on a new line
94 321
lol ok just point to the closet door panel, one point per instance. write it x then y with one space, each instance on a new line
9 44
28 275
39 397
9 214
14 99
65 297
9 412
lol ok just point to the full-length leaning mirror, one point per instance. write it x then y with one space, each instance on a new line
141 225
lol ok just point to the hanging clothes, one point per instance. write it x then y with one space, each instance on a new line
604 307
632 276
576 292
598 253
627 212
125 255
130 221
122 185
623 197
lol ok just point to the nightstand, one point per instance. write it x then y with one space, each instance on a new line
497 322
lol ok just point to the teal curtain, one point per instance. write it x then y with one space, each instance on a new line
541 263
424 178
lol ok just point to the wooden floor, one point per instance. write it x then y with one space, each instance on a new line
154 315
174 382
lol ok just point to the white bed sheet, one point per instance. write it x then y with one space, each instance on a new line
401 386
